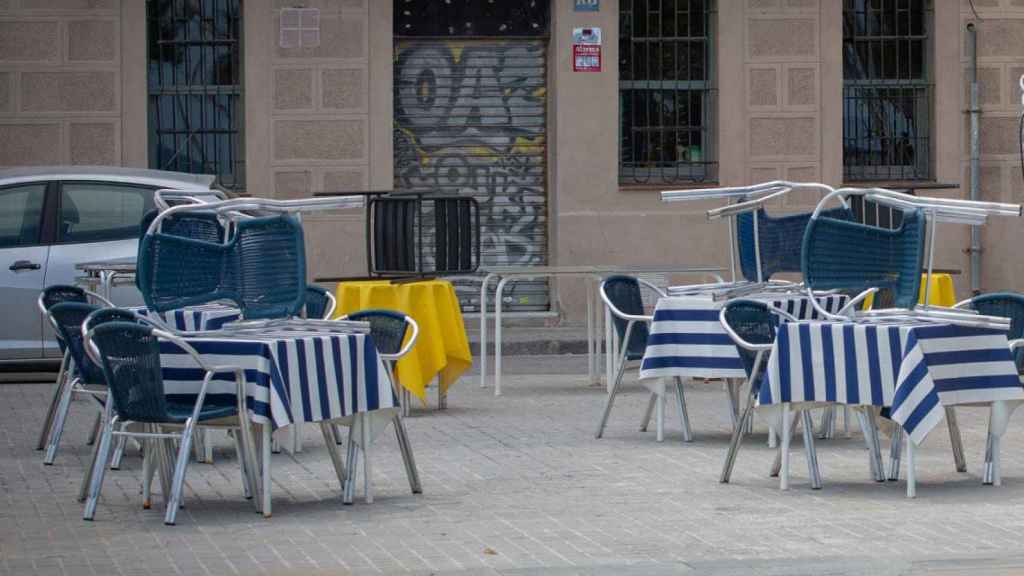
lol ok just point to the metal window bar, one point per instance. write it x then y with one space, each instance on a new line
887 94
666 91
195 88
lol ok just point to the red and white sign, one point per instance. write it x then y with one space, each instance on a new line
586 49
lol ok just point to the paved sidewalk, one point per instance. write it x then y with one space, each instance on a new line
518 485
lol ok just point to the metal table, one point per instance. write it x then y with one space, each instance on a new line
102 275
592 272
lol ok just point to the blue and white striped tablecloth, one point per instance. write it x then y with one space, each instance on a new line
290 378
192 318
914 369
687 340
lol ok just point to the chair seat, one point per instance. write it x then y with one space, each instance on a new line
634 355
180 409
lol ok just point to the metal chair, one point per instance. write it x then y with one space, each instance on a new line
1005 305
622 296
752 325
770 245
51 295
320 303
81 375
412 233
388 330
129 355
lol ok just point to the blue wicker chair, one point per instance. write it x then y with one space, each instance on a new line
844 255
622 296
320 303
388 331
780 239
752 325
128 354
82 376
51 295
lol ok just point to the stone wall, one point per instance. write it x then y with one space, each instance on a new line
1000 65
60 82
312 125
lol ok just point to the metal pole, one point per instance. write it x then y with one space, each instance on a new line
975 113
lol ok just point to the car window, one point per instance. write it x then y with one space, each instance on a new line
96 212
21 209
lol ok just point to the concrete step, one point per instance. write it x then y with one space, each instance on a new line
533 340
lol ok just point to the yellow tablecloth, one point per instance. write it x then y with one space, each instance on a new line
942 294
442 346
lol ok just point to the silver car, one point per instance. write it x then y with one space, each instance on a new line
52 218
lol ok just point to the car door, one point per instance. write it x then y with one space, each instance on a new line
23 260
96 221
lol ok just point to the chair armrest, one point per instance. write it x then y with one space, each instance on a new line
739 339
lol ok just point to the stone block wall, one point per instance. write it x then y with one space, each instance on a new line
60 82
1000 65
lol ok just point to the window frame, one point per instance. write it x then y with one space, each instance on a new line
58 198
633 172
43 233
921 90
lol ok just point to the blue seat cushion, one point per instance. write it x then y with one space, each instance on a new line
179 408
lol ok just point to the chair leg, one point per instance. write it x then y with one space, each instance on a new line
119 446
407 456
99 468
243 463
611 399
734 443
812 454
180 466
364 428
58 423
684 415
647 412
895 456
733 407
997 479
149 465
351 459
337 434
199 445
95 430
955 440
867 424
659 416
327 429
83 491
62 379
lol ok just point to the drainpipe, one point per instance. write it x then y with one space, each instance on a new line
975 112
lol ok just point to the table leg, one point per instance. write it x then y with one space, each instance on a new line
364 428
609 360
331 441
784 449
483 330
911 472
497 335
442 395
590 331
955 440
265 465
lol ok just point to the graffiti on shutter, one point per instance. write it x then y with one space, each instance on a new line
470 120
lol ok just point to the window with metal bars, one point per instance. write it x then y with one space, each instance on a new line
886 90
195 88
666 91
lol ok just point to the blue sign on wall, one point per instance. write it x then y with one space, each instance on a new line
587 6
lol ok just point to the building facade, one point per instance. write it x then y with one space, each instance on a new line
565 118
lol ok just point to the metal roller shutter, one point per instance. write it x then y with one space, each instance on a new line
470 119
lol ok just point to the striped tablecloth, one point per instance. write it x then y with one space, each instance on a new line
913 369
290 377
687 340
192 318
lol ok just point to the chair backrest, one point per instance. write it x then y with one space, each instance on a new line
62 293
624 293
753 322
261 267
130 359
104 315
67 319
195 225
1007 305
387 328
317 302
780 239
412 233
839 254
